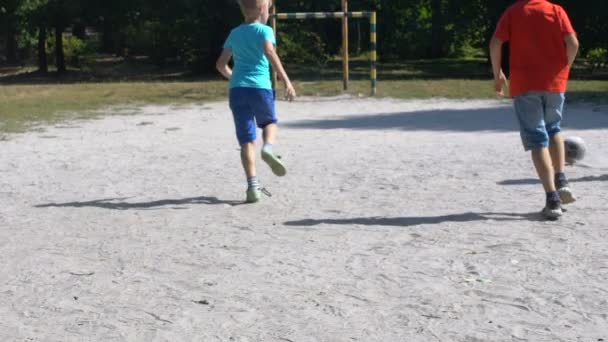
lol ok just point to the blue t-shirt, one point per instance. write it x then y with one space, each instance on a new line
251 67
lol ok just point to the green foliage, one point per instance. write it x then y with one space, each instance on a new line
151 38
465 49
191 32
73 49
302 47
597 57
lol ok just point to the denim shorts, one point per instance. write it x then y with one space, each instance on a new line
540 116
251 106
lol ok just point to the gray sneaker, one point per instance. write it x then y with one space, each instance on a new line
253 194
274 162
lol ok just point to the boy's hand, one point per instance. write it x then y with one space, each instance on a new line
499 84
290 92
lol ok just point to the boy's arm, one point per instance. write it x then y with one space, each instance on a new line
571 47
500 80
275 61
222 63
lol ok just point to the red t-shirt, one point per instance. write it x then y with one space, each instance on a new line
536 30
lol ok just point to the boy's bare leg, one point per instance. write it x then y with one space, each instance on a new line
558 153
557 150
270 134
248 159
544 168
277 167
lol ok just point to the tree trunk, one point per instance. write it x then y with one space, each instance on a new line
79 30
59 55
437 29
108 37
11 47
43 65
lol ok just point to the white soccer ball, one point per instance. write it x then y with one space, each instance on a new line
575 149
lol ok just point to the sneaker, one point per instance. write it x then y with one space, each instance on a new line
274 162
553 210
253 194
565 193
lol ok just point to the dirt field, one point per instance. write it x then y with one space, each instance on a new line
397 221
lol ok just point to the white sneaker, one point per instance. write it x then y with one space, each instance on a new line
566 195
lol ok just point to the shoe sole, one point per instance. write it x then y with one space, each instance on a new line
552 215
566 196
275 164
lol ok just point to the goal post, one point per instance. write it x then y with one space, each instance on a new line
345 56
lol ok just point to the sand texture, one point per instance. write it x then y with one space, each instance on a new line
397 221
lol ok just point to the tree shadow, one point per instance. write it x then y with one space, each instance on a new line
408 70
420 221
498 118
100 69
532 181
119 204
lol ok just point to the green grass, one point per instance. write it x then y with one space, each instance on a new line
28 100
22 106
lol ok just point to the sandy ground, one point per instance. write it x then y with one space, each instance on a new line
397 221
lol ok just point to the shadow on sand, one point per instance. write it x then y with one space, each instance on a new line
499 119
116 204
531 181
419 221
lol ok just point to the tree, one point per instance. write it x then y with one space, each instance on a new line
34 18
61 13
437 29
9 26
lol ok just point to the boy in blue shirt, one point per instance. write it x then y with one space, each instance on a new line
252 45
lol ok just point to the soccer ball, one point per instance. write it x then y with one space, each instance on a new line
575 149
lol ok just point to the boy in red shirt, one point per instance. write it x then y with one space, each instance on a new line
543 46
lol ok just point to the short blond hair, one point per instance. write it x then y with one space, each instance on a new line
251 4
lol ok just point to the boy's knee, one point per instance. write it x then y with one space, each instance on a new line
534 139
268 124
246 134
245 139
553 130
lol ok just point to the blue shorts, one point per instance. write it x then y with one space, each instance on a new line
540 116
250 106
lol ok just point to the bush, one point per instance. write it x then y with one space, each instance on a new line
465 50
597 57
73 49
302 47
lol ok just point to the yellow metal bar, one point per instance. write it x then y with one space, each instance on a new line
345 63
321 15
274 29
374 56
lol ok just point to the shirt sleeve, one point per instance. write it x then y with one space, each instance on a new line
269 35
228 43
503 29
564 21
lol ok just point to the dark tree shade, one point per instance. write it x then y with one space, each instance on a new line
191 32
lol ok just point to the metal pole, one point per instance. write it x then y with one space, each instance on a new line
345 63
374 56
274 29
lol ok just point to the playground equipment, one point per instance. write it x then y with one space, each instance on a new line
344 15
